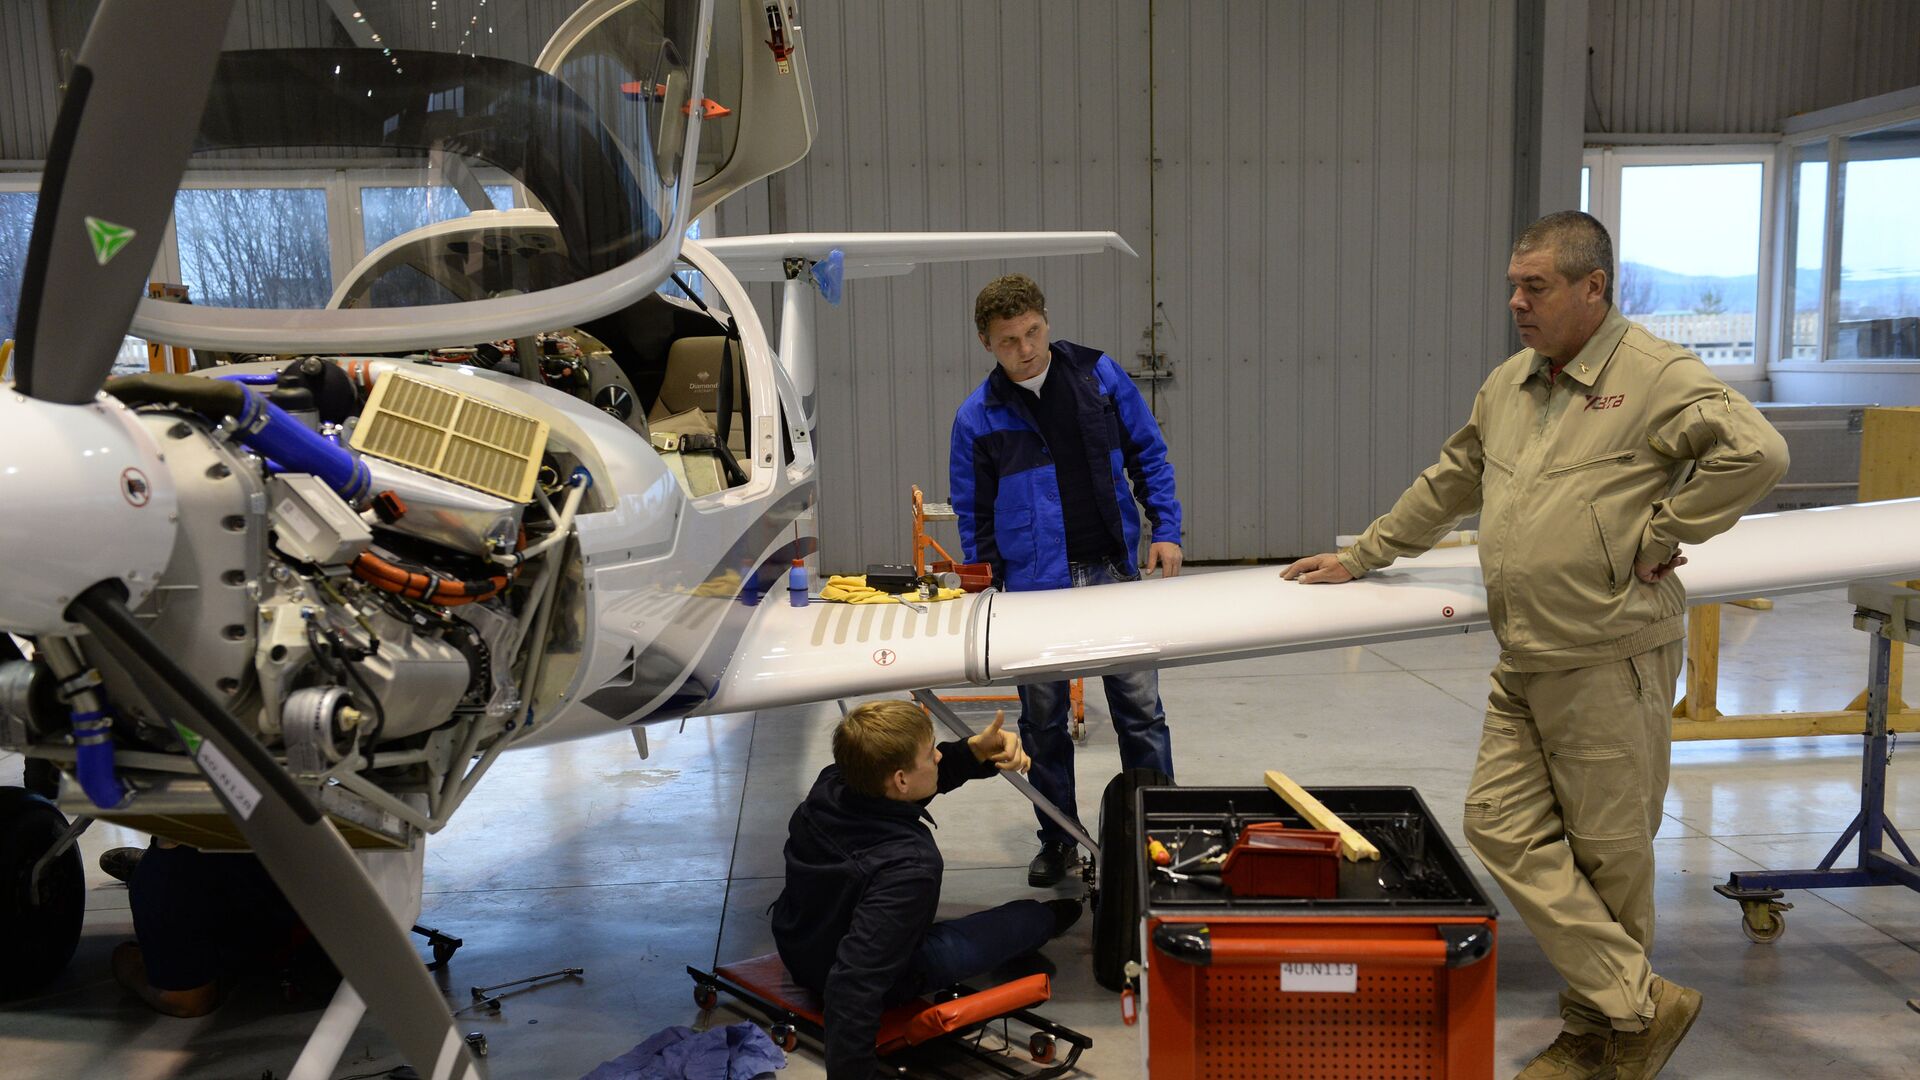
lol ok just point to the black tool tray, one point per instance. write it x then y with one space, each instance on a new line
1175 815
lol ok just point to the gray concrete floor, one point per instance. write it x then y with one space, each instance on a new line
584 855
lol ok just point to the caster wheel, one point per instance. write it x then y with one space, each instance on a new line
784 1036
705 996
1040 1047
38 928
1763 926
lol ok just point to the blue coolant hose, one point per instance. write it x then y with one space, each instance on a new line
264 427
93 760
267 429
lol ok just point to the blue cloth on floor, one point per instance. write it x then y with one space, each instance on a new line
735 1052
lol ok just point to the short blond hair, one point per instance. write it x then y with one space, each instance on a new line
876 740
1007 297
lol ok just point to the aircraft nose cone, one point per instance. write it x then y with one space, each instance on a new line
87 497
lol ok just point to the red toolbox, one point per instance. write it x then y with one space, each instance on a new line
1392 977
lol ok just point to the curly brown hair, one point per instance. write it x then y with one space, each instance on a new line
1007 297
878 739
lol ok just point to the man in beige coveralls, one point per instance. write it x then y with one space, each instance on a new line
1591 456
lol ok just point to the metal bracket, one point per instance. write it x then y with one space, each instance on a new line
1154 367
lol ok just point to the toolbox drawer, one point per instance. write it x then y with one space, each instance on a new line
1392 977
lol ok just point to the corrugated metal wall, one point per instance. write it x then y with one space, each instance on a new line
30 82
1320 194
1742 66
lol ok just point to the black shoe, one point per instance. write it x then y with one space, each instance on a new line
1066 912
119 863
1051 865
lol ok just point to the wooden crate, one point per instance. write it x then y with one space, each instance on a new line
1890 454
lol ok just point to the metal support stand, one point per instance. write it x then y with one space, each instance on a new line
947 716
1890 614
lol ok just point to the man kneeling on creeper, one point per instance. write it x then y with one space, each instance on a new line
855 921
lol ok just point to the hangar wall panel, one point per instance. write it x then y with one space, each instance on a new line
1320 195
945 117
1742 66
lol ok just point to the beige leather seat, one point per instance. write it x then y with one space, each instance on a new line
693 382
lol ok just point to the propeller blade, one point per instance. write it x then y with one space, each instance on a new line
308 860
118 149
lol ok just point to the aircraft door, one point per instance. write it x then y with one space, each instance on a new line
756 110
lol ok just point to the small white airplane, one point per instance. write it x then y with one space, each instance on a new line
500 491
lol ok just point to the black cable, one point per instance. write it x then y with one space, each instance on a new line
339 661
379 713
1401 843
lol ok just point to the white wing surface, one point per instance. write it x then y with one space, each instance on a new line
760 258
795 655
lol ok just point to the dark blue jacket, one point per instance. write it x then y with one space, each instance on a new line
863 880
1002 480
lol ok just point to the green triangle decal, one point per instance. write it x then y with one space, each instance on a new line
107 238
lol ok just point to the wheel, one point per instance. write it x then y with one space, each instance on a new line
1762 924
705 996
1040 1047
784 1036
40 931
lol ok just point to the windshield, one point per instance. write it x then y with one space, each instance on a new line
367 122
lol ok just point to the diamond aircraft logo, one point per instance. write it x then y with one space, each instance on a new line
107 239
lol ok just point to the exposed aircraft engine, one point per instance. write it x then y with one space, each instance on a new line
362 570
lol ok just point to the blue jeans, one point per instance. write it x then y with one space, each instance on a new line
967 948
1133 699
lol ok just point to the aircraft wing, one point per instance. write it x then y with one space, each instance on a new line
759 258
824 651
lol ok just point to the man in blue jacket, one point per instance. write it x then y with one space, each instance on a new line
1049 455
855 921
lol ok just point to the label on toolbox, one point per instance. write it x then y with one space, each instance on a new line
1320 978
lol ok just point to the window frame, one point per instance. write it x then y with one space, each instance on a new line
1603 192
1834 127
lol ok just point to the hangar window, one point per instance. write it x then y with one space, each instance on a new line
1691 241
386 211
16 225
1853 269
1876 301
254 247
19 198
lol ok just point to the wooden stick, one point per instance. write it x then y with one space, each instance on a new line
1352 845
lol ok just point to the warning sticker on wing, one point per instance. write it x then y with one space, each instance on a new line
242 794
1319 978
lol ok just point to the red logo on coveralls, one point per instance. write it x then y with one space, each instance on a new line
1596 402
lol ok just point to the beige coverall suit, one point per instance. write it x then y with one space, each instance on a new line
1634 449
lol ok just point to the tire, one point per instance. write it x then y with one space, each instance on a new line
1116 912
39 932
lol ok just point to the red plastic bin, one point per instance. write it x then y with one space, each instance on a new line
1274 861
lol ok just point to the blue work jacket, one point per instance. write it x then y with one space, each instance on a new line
1002 480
